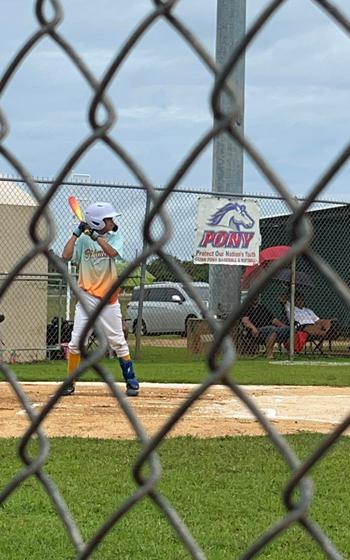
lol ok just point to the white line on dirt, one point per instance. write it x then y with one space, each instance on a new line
278 417
22 411
145 384
149 385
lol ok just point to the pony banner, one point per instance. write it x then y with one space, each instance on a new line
227 232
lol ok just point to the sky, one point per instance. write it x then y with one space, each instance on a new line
296 93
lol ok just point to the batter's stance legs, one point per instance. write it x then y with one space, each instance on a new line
132 384
73 363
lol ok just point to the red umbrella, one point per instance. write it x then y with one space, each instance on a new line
266 256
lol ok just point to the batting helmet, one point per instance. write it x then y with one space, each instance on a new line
97 212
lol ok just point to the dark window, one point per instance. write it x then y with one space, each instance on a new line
163 294
157 294
136 294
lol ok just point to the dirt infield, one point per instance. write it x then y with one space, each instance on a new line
93 412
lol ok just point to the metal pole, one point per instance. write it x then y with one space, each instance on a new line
227 155
142 288
292 305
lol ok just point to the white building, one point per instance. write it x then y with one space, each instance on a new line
25 300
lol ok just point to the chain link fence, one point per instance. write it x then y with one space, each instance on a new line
157 226
155 318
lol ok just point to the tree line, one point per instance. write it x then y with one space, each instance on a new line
161 272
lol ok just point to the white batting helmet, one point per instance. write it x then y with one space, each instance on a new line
97 212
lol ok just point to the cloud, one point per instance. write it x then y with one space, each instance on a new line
316 106
297 89
317 56
163 116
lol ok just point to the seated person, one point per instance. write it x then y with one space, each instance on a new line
305 318
263 326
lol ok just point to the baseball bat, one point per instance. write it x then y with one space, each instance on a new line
76 208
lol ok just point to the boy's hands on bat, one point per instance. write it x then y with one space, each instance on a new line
81 228
91 233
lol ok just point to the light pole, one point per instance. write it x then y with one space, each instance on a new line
227 155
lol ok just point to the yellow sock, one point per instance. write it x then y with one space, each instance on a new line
73 362
126 358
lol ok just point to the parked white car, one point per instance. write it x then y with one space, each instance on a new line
166 308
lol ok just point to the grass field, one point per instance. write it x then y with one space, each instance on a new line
175 365
228 491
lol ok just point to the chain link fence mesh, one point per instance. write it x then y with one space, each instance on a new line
158 227
50 303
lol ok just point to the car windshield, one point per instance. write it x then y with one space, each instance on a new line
203 292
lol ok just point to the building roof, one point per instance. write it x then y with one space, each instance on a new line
11 194
318 206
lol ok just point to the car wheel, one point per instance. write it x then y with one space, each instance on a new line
143 328
186 324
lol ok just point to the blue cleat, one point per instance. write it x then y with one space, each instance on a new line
132 385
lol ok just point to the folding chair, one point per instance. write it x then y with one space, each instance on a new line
316 343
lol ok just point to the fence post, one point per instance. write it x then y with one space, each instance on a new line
142 287
292 306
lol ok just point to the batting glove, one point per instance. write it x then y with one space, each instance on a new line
80 229
92 233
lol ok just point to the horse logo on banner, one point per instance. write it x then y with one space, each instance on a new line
232 216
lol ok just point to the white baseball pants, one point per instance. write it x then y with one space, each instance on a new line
110 319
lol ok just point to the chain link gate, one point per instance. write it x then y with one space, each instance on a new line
42 233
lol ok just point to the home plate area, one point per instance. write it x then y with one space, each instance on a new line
93 412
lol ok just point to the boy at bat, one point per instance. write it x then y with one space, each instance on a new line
94 245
